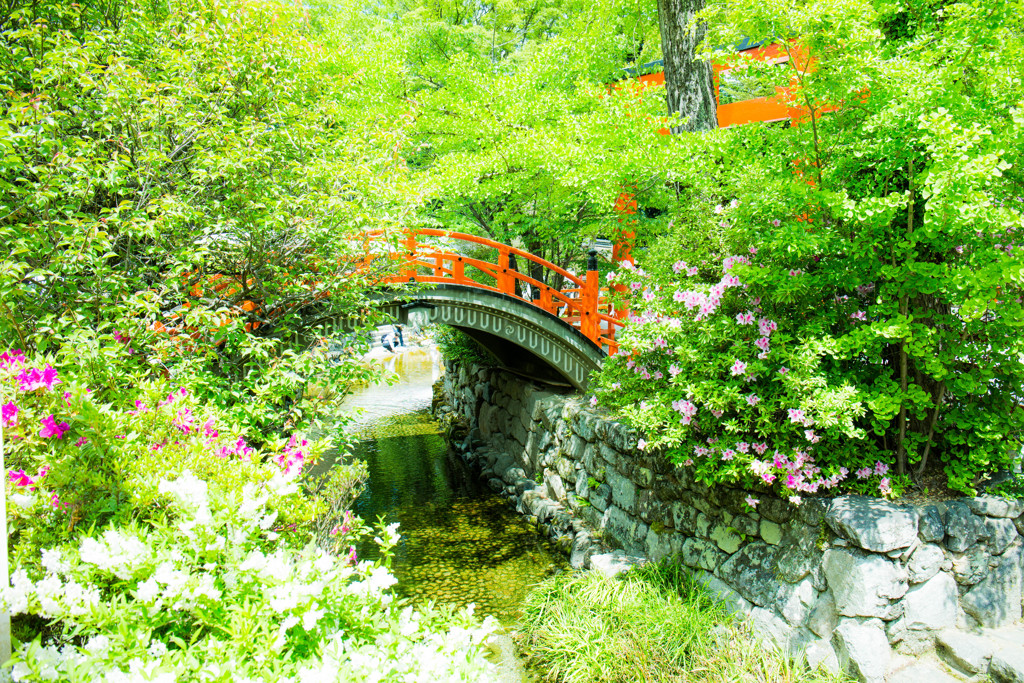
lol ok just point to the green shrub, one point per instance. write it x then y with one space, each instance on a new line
155 543
208 591
78 463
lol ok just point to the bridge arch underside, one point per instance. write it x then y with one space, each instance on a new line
521 337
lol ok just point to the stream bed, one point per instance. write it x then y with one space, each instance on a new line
461 542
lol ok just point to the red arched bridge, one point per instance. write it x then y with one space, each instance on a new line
500 296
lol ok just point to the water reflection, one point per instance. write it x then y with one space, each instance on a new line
461 543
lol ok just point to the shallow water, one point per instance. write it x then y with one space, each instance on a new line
461 543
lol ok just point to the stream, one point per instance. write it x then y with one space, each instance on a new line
461 542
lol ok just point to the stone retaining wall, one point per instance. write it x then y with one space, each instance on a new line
841 582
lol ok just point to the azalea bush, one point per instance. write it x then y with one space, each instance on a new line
76 462
209 592
153 542
837 304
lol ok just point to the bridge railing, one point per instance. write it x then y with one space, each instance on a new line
432 256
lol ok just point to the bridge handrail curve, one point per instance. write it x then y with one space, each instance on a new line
487 242
582 311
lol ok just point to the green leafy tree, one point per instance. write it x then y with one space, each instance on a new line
189 176
880 236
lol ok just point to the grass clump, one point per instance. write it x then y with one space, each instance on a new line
653 623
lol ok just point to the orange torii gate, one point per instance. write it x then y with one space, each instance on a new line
431 256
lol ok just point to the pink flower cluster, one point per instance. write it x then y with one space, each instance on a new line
173 396
239 448
293 457
685 408
346 525
797 416
32 379
23 479
184 421
20 478
707 304
52 428
12 360
9 414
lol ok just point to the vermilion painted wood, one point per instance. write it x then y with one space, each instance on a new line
582 304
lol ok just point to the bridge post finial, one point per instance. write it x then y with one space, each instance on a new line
592 260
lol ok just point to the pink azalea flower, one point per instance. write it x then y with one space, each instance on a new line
20 478
593 401
762 343
141 407
674 369
745 318
743 447
81 441
863 473
783 370
776 222
738 368
717 413
688 462
859 315
751 501
641 444
12 360
32 379
678 266
53 429
210 429
883 487
796 415
648 295
728 454
9 412
184 421
173 396
881 468
753 399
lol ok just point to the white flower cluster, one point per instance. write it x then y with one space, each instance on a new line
256 611
117 552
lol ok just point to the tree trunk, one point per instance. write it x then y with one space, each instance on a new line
689 85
